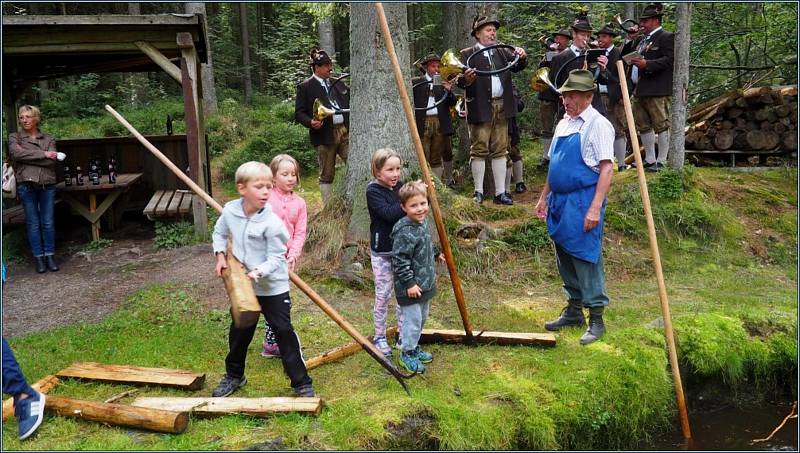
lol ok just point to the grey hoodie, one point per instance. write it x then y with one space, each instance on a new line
259 242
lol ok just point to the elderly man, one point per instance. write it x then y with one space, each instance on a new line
330 136
434 125
573 203
490 104
652 77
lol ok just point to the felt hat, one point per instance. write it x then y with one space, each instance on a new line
479 21
578 80
319 57
652 10
581 22
563 32
431 56
608 29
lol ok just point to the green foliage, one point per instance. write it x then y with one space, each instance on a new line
530 236
15 245
96 245
80 98
149 119
170 235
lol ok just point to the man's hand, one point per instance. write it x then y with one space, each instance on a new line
441 259
447 85
541 209
640 63
221 264
602 61
521 52
592 218
470 75
415 292
316 124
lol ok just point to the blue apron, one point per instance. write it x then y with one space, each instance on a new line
572 187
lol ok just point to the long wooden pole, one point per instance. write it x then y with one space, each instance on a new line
119 414
651 231
437 212
316 298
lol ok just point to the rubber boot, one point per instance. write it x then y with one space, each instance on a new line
40 267
596 327
571 316
51 263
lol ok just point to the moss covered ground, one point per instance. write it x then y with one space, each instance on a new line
728 246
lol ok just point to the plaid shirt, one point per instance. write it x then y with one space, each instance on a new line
597 136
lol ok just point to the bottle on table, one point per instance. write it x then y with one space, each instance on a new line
94 172
112 170
78 176
67 176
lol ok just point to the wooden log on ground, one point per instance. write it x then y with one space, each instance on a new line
724 139
789 142
127 374
726 124
755 92
779 128
712 105
782 111
214 407
703 142
765 114
498 338
342 351
740 123
766 126
759 140
43 385
711 132
789 90
119 414
741 102
733 112
772 140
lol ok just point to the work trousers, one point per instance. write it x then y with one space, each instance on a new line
14 382
583 281
276 310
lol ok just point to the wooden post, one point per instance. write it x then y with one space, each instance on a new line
195 143
651 231
423 164
342 351
9 104
118 414
92 210
43 385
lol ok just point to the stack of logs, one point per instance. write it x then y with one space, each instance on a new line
755 119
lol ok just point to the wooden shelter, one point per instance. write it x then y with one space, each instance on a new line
47 47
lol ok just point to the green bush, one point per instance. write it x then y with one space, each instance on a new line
170 235
150 119
529 236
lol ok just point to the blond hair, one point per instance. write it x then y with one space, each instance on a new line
380 157
249 171
411 190
276 162
33 110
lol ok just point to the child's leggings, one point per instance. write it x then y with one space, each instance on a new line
384 284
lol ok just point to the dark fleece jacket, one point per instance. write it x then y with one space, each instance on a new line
413 260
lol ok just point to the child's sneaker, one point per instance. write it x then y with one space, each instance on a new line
424 357
228 385
383 346
270 350
306 390
398 344
29 413
411 362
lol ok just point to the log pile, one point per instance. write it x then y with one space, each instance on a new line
759 119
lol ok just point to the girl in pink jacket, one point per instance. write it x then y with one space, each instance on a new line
292 210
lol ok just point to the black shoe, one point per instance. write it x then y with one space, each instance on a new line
305 390
543 164
504 198
478 197
571 316
652 168
40 267
51 263
621 168
451 184
521 188
596 326
228 385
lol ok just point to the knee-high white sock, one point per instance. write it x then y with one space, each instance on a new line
499 173
649 142
619 151
518 172
663 146
447 170
545 146
325 190
478 167
508 179
438 172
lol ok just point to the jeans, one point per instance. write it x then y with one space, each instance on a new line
14 382
583 281
38 202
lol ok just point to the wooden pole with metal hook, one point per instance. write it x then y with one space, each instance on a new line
651 231
437 213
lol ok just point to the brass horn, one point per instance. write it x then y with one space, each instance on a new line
628 29
321 112
450 65
541 81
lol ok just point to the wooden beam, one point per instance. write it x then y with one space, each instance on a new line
485 337
159 59
98 47
119 414
127 374
43 385
105 19
342 351
211 407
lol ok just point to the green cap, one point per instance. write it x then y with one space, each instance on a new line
578 80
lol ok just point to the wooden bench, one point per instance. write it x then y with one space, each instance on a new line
169 203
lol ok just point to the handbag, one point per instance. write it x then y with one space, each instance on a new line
9 181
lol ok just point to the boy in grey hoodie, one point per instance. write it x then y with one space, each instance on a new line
414 266
259 242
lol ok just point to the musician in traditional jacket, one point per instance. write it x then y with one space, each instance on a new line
610 90
548 99
434 125
490 103
329 136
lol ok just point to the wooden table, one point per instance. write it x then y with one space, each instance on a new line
119 192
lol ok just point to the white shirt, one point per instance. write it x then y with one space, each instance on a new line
597 136
604 88
635 69
337 118
575 50
431 100
497 86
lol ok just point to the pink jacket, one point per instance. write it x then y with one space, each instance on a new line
292 210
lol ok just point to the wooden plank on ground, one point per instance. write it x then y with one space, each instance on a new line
119 414
213 407
150 209
134 375
172 209
342 351
186 203
44 385
486 337
161 209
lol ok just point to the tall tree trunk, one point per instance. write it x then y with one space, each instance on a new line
680 83
374 124
412 25
327 40
134 8
630 10
247 80
207 70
